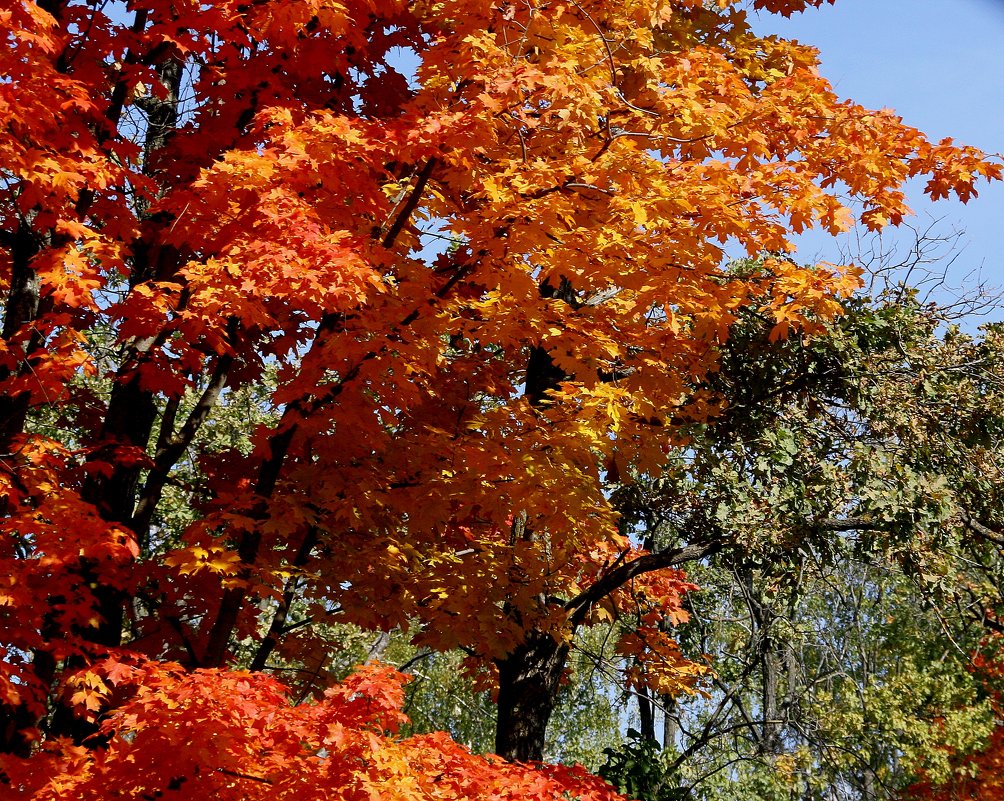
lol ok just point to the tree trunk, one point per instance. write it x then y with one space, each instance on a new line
670 723
528 684
646 713
20 308
869 792
770 667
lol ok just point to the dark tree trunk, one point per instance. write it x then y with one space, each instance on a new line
542 375
528 684
530 674
771 668
670 722
21 308
646 713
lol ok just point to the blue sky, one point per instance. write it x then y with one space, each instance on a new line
939 64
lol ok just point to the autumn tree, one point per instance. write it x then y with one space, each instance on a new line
233 207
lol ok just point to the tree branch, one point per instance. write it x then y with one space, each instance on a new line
986 533
410 205
578 607
303 407
170 446
278 626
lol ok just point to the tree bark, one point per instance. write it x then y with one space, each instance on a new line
770 668
20 309
670 723
528 685
646 713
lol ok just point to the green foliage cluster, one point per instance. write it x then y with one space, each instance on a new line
639 769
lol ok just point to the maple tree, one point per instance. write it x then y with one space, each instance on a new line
234 207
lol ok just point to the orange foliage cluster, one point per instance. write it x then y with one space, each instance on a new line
231 735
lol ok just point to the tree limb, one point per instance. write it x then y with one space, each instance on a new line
578 607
